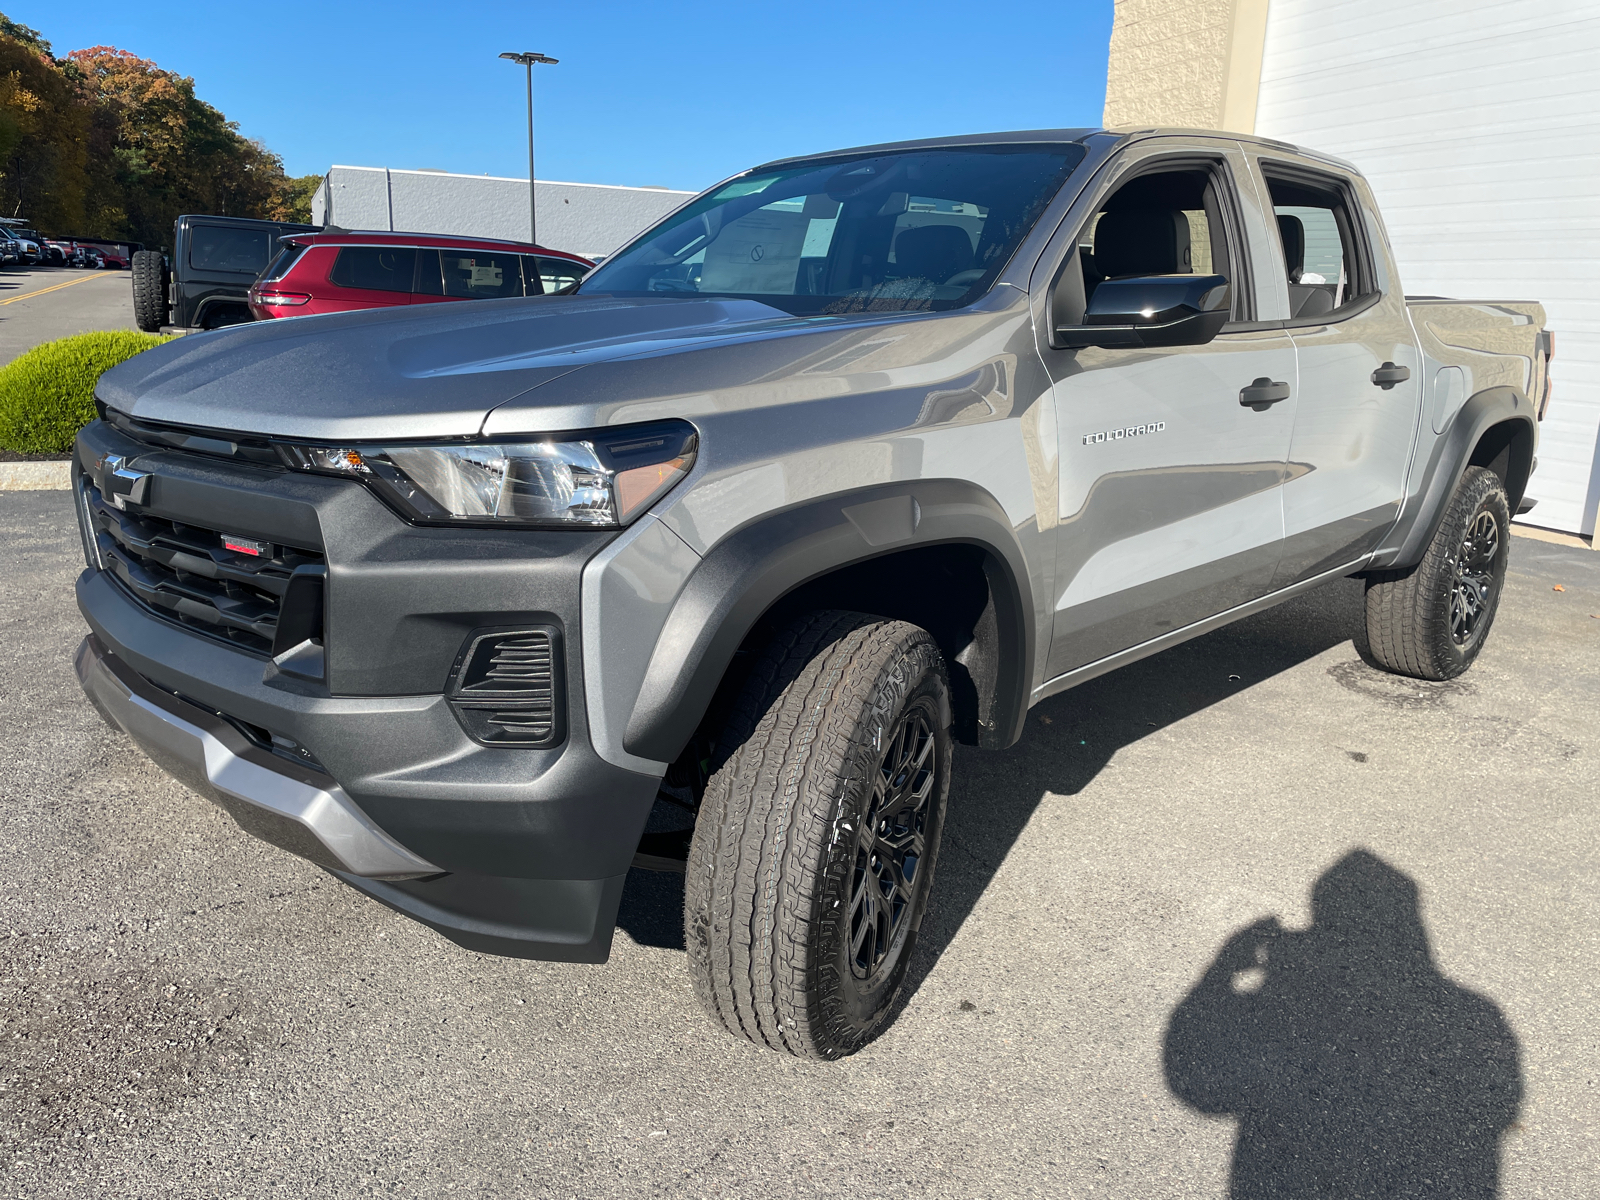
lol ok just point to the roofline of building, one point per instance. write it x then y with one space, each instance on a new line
614 187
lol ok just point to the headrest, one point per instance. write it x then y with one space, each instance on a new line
1293 233
1142 242
933 252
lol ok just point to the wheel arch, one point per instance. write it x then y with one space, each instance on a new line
828 553
1495 429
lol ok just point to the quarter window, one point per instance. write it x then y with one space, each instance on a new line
374 268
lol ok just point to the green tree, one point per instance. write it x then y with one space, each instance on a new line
292 201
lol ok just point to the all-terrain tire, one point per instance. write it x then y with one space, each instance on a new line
835 758
1431 621
149 271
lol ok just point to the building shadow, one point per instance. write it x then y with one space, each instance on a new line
1069 740
1353 1066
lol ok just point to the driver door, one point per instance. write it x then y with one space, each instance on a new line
1170 502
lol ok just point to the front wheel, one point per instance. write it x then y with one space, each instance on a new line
1431 621
814 852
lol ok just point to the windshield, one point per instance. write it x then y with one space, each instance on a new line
909 231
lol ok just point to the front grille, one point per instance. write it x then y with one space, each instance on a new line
183 573
506 687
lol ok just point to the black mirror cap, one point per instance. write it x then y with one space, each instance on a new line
1152 310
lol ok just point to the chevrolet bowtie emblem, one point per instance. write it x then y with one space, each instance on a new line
120 485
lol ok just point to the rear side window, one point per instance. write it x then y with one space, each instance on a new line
218 248
1323 254
481 274
287 257
546 275
374 268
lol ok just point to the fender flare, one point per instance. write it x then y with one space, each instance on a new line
749 571
1451 455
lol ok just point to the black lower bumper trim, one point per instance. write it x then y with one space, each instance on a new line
555 920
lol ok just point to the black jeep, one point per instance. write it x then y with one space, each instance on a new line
214 262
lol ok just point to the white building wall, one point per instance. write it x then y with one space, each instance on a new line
1478 124
584 218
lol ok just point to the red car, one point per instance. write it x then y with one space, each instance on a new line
343 271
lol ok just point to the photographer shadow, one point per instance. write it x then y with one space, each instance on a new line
1352 1065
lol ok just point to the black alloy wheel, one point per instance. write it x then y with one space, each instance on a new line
891 842
1475 580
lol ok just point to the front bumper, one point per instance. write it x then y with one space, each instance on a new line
508 850
279 801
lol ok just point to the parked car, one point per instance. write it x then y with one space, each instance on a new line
55 253
10 248
206 282
29 252
452 602
341 271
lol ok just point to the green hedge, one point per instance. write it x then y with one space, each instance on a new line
47 394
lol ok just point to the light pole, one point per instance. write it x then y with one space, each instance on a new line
527 58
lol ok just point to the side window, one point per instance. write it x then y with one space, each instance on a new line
1160 223
1321 253
374 268
429 282
481 274
217 248
546 275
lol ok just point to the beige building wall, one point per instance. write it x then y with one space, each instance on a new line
1191 63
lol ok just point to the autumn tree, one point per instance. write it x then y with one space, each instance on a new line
105 142
43 133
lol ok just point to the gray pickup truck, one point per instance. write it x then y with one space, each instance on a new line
849 459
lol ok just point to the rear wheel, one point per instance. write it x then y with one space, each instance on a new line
1430 622
149 271
814 851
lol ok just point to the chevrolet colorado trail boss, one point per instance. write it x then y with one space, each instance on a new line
851 458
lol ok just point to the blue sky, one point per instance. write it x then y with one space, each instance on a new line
672 94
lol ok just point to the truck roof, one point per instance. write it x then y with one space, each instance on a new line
1060 137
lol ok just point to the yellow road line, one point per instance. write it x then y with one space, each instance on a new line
53 288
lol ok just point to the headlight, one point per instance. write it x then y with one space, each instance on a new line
601 479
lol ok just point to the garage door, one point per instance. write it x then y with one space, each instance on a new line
1478 125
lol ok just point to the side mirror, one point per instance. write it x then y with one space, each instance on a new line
1151 310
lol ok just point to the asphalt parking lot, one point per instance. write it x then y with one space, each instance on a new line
39 304
188 1013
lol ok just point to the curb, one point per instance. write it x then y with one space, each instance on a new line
32 476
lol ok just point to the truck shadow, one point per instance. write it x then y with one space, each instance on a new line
1069 740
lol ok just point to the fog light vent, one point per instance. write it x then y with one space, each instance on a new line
506 687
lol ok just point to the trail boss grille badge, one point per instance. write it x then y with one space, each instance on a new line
244 545
1127 431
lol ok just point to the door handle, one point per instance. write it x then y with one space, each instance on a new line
1262 394
1388 375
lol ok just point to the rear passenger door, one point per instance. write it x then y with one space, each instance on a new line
1356 421
1169 509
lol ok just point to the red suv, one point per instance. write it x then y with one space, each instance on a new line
342 271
